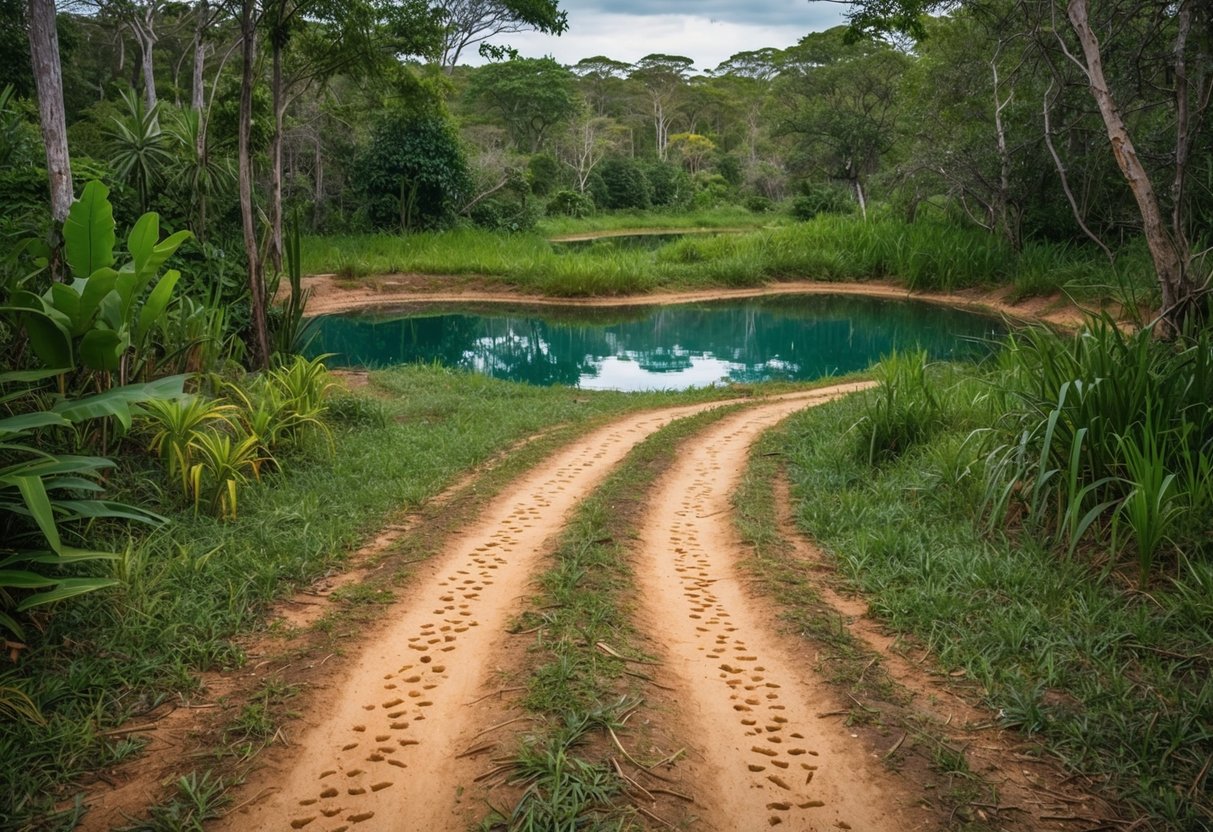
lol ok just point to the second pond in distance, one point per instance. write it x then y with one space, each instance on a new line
778 337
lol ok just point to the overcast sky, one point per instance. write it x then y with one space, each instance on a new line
709 31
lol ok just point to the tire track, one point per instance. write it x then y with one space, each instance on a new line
749 700
378 750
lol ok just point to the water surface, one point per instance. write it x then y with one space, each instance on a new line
780 337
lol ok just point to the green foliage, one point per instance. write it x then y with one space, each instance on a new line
570 204
1108 428
104 319
175 425
46 496
528 95
543 172
669 185
624 183
413 173
904 412
759 204
821 199
140 148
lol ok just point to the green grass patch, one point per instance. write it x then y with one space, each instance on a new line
722 216
922 256
193 586
1111 676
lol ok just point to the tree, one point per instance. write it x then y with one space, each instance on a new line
48 80
586 142
413 172
841 101
600 79
529 96
1149 45
663 78
471 22
693 148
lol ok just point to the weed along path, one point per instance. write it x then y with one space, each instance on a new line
748 704
379 749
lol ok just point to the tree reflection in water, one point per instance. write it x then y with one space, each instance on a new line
785 337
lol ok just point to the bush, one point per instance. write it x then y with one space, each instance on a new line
759 204
905 410
570 204
624 185
821 199
543 174
413 172
670 185
504 215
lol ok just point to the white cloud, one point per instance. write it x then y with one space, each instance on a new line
629 37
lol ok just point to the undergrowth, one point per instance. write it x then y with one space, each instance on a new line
1108 666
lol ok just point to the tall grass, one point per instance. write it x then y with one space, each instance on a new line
1112 676
922 256
1106 431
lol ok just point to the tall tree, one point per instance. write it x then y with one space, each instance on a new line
1164 46
48 80
529 95
471 22
663 78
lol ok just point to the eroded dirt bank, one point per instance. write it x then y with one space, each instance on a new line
333 296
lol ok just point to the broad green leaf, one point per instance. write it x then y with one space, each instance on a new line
49 330
81 509
164 250
102 349
117 402
88 232
20 376
156 303
11 425
67 588
142 240
96 289
66 300
69 555
39 506
21 579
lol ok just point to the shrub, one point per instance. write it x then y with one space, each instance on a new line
821 199
624 184
670 185
759 204
905 410
570 204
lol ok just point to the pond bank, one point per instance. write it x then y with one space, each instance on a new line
332 295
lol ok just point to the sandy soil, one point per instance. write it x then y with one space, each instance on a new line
332 296
749 701
380 748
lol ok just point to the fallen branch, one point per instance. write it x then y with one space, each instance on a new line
494 693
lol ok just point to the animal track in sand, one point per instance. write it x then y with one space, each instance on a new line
772 762
399 704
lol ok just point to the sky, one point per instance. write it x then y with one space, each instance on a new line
708 31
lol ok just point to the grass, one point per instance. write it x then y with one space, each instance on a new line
574 688
928 256
722 216
1111 675
191 588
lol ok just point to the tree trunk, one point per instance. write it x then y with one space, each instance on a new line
261 343
147 43
318 185
1170 262
279 99
198 86
48 77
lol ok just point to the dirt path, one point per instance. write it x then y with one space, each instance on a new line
748 701
379 750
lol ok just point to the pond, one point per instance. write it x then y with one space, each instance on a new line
780 337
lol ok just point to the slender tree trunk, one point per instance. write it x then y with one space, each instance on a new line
318 185
48 77
276 159
198 85
261 343
1170 261
147 43
1002 206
